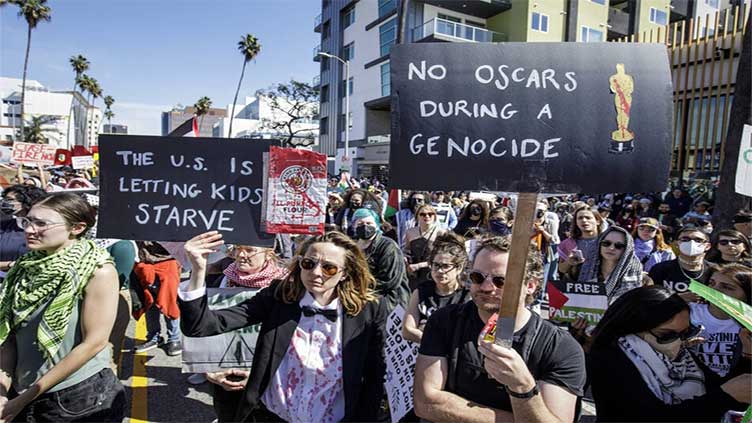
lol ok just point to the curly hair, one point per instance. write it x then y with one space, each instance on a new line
451 244
355 289
533 264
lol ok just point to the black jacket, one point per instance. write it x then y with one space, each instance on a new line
387 264
362 347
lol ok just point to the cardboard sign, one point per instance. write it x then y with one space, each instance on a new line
531 117
400 366
231 350
170 189
744 165
33 154
569 300
82 162
295 200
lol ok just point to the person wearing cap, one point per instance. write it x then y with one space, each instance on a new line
700 213
646 208
743 222
385 259
650 246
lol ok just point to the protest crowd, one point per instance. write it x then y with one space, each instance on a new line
608 314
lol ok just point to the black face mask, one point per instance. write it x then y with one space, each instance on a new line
474 211
7 208
355 204
364 232
501 228
414 203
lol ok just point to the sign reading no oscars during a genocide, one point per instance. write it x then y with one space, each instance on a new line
528 117
171 189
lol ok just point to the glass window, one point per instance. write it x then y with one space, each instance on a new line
327 31
590 35
324 126
348 52
712 3
325 64
387 36
539 22
348 18
658 16
386 7
324 94
599 1
449 18
342 88
386 82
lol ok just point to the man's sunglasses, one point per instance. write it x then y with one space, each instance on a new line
478 277
618 245
687 239
669 337
328 269
730 241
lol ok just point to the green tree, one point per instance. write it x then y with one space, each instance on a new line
292 104
80 64
249 47
34 12
35 131
95 91
202 107
108 113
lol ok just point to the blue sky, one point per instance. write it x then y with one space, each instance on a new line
152 54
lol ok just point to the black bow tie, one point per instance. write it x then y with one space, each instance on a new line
309 311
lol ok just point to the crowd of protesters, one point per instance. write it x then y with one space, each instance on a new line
659 352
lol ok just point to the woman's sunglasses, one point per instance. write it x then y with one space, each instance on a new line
426 214
617 245
478 277
669 337
328 269
725 242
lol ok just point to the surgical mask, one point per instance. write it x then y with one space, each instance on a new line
500 228
670 350
691 248
364 232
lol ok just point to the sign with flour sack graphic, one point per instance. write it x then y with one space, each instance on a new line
295 201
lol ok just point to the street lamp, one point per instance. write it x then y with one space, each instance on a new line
347 106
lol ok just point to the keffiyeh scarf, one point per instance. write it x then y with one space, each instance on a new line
260 279
58 279
627 274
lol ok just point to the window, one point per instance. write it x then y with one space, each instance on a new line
341 122
590 35
324 126
712 3
540 22
387 36
599 1
324 94
325 63
386 82
449 18
342 88
386 6
657 16
475 24
348 18
327 30
348 52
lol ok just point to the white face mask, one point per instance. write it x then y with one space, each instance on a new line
692 248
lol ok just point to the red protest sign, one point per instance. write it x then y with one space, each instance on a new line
33 154
296 192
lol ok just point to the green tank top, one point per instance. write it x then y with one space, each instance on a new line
31 363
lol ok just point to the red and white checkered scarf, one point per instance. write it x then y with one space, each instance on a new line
260 279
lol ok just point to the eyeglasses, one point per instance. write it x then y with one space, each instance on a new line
647 228
618 245
668 337
443 267
478 277
725 242
687 239
328 269
426 214
37 224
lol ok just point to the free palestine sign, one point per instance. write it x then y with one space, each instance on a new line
531 117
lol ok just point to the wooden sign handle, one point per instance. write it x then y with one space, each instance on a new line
524 217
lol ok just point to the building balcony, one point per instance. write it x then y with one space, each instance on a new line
444 30
480 8
317 23
681 9
618 22
316 51
316 82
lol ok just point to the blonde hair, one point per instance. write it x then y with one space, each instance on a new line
354 290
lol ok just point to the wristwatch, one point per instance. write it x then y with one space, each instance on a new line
525 395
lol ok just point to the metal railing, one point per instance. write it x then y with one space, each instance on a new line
316 81
456 30
316 51
317 21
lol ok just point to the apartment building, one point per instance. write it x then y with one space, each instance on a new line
179 114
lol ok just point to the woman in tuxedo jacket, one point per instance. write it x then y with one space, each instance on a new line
319 354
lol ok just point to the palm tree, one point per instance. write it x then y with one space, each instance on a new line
34 132
109 101
85 83
202 107
250 48
95 91
34 11
108 114
80 64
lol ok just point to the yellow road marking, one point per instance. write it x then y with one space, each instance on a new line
139 381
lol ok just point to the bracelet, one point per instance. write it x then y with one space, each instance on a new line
526 395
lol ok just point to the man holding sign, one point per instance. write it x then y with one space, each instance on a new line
456 379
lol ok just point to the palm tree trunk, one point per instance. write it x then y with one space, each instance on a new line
235 100
23 83
70 114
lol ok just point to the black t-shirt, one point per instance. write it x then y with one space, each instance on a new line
551 354
429 300
669 275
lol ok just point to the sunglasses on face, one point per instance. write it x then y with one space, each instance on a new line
328 269
478 277
725 242
426 214
647 228
443 267
687 239
617 245
668 337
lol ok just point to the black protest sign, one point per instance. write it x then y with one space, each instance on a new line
531 117
171 189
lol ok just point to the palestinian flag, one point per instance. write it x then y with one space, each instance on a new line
392 206
569 300
189 128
